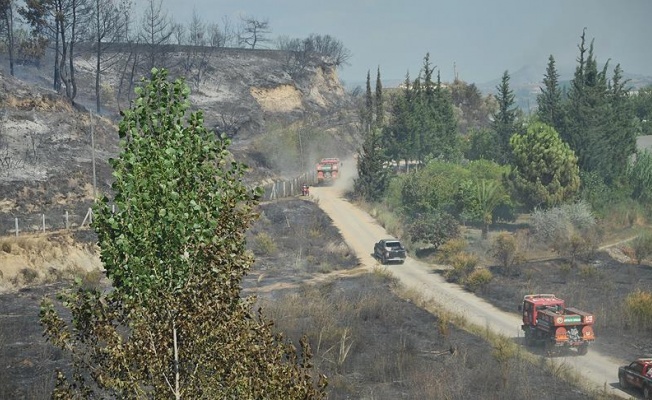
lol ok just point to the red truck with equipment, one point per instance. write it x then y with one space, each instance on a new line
546 321
328 170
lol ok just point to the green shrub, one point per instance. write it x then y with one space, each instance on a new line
478 279
638 306
433 229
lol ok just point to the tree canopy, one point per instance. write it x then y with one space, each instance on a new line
174 324
545 171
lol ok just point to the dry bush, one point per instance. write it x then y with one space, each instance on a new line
92 279
507 252
642 247
478 279
26 276
625 214
264 245
6 246
570 230
448 251
629 252
638 306
25 243
339 248
463 264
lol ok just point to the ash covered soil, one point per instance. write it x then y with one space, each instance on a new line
599 286
369 341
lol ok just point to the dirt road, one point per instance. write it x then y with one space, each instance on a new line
361 231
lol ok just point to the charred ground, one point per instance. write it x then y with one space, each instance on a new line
370 336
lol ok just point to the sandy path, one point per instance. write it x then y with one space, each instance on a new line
361 231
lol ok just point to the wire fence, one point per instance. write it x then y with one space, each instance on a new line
81 217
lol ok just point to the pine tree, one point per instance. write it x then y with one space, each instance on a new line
545 171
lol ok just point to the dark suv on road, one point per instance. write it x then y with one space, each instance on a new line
390 250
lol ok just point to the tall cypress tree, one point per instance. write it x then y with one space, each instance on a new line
504 124
621 131
379 104
367 113
372 176
396 134
447 137
549 101
599 125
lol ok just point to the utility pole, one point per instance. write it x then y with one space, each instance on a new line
93 157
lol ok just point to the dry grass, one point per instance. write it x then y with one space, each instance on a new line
29 260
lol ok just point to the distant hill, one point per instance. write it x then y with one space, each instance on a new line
525 83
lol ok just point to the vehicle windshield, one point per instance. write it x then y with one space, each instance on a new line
393 245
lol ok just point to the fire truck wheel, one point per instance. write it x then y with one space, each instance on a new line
583 349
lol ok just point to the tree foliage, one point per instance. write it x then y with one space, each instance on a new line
174 324
642 106
599 124
473 109
505 119
545 171
423 124
640 177
433 229
550 108
372 177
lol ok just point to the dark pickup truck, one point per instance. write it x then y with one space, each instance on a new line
390 250
637 374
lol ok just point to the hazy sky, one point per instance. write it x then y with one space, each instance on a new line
482 38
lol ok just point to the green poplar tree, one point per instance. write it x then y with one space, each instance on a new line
175 324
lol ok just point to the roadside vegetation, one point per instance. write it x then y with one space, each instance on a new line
506 204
